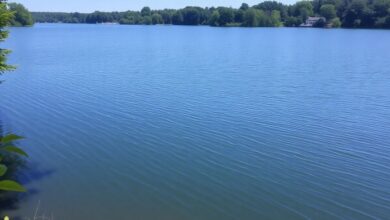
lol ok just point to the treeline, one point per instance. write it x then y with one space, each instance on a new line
21 16
345 13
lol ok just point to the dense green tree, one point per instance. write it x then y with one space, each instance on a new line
99 17
292 22
226 16
244 6
252 17
368 18
214 18
336 22
166 16
303 9
145 11
381 7
22 17
387 22
147 20
191 16
131 18
5 18
354 13
239 16
177 18
328 11
157 19
269 6
337 3
275 19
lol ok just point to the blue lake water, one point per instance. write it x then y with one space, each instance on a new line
174 122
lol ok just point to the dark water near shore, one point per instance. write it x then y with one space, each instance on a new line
167 122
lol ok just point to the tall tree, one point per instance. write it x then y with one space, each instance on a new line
226 16
157 19
5 18
214 19
244 6
191 16
328 11
22 17
145 11
252 17
303 9
177 18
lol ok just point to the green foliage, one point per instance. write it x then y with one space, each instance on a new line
214 19
303 9
157 19
226 16
270 6
9 185
147 20
191 16
9 138
244 6
5 18
166 16
3 169
177 18
239 15
99 17
292 22
145 11
381 7
22 17
353 14
345 13
336 23
13 149
5 150
252 17
275 19
328 11
383 22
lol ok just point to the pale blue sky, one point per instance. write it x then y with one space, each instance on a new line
123 5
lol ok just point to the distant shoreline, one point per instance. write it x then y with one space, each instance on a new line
340 28
316 13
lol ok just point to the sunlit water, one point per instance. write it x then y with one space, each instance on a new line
201 123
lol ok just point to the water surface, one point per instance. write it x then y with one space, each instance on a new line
174 122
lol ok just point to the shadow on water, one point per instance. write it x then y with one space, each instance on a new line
25 173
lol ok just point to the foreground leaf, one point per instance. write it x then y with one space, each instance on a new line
3 169
14 149
10 137
9 185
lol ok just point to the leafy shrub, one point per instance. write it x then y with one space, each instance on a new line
336 22
7 148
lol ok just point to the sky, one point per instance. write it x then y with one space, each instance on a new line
124 5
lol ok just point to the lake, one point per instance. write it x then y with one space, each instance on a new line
176 122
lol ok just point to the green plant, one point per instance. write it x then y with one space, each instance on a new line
6 148
5 18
